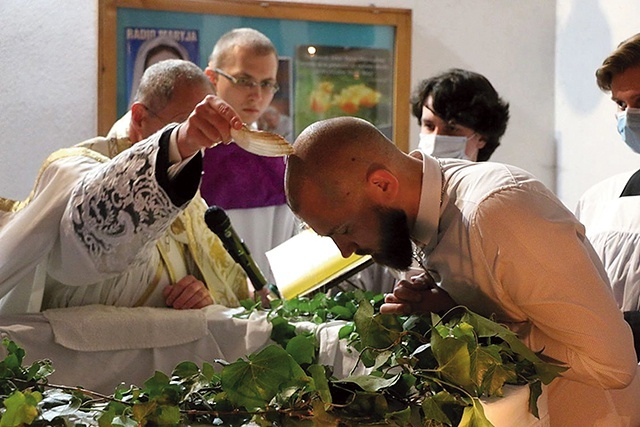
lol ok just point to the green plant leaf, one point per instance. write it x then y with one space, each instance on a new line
255 382
488 371
454 360
371 383
535 390
59 404
209 372
185 370
302 348
156 384
376 331
282 331
346 330
473 416
341 312
21 408
433 411
319 375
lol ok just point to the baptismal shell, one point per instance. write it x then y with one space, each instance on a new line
261 142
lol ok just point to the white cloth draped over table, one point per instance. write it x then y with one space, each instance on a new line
133 343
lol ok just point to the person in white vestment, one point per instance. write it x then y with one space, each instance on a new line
119 220
610 210
491 238
243 67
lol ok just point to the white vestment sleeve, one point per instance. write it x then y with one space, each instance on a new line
114 216
28 234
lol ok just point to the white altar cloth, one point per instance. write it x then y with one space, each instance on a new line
226 338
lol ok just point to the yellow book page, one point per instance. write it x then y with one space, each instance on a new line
304 262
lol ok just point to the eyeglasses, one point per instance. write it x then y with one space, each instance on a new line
247 83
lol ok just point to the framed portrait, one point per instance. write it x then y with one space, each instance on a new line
333 60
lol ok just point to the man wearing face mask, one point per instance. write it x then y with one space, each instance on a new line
609 210
460 115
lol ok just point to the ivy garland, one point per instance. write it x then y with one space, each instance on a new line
421 372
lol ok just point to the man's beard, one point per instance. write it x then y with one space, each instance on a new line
396 250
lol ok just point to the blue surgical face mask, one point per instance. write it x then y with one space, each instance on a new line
629 127
444 146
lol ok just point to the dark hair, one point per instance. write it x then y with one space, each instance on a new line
626 55
468 99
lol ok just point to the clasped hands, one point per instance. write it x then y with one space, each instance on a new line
187 293
418 295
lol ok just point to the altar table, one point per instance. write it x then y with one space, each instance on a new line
99 347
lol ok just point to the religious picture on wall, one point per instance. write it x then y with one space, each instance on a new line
338 81
146 46
278 117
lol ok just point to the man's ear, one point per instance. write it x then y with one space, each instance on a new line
382 186
138 114
213 76
482 141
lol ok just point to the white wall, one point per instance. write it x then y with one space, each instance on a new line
48 84
48 98
589 147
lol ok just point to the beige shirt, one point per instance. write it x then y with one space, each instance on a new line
504 245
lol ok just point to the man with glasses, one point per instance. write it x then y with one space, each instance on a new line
243 68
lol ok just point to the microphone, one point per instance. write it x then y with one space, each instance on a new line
218 221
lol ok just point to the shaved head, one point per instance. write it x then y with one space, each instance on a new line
335 156
346 180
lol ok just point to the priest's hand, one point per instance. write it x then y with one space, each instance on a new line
187 293
418 295
208 124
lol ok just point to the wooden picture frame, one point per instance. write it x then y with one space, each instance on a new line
397 20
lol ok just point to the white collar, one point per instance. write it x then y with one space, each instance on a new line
425 229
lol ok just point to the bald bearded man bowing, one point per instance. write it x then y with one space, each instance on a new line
493 239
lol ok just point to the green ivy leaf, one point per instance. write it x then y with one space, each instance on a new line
144 411
473 416
346 330
156 384
282 331
319 375
547 371
371 383
376 331
302 348
255 382
402 417
454 360
39 370
431 407
21 408
168 415
209 372
185 370
341 312
489 374
535 390
59 404
122 421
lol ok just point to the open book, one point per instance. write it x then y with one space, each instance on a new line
308 261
